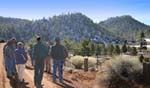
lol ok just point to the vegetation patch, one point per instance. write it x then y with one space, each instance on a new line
122 72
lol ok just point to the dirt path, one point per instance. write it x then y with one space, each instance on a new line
4 82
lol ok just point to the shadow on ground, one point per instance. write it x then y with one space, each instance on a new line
15 84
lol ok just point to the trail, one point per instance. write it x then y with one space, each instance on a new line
28 76
4 82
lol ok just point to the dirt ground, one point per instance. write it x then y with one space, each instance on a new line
76 79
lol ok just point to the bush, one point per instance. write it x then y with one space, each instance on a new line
78 61
2 41
117 50
122 71
134 51
124 48
141 58
92 62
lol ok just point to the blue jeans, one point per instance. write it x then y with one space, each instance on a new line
58 64
38 71
14 66
10 65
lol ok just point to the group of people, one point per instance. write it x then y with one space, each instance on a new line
15 57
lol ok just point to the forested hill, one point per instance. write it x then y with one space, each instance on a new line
74 26
126 27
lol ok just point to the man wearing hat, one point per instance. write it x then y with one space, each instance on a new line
58 53
40 52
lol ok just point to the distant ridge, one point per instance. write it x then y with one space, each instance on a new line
74 26
125 27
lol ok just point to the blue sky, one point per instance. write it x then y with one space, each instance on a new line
97 10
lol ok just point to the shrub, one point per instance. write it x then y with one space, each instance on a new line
92 62
2 41
117 50
78 61
134 51
141 58
124 48
122 71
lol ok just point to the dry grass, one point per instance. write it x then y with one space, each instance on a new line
78 61
119 71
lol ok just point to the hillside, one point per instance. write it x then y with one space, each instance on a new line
73 26
125 27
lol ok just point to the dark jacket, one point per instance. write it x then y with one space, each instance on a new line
59 52
20 56
40 51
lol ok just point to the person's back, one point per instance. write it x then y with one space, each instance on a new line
58 52
39 54
9 52
9 56
40 51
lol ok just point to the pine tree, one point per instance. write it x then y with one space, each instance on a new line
92 48
134 51
124 48
98 49
85 49
110 49
104 49
117 50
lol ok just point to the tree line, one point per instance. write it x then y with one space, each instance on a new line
89 48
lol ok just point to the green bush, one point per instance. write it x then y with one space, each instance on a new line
134 51
146 59
2 41
141 58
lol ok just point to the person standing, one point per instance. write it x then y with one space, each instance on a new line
58 53
21 59
13 48
39 54
31 54
9 56
48 59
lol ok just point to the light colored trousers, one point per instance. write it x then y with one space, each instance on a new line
20 69
48 64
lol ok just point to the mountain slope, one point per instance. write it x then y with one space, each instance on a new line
125 27
74 26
